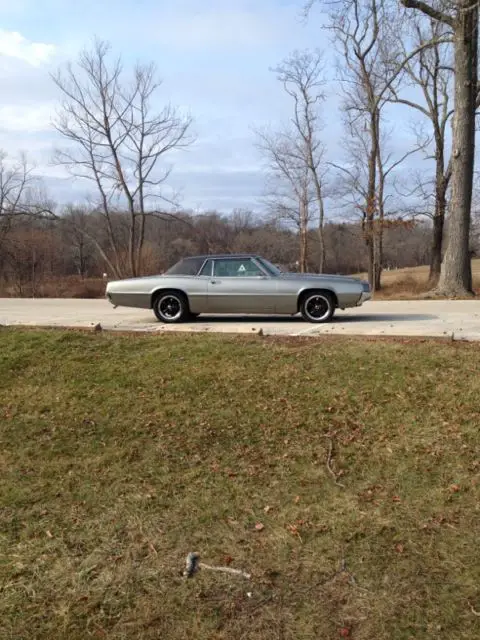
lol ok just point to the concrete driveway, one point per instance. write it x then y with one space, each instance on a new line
460 318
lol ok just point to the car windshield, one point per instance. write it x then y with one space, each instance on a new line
186 267
271 268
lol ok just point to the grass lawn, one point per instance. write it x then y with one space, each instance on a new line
342 474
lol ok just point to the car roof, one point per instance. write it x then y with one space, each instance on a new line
222 255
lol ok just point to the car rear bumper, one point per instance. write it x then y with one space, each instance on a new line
129 299
366 295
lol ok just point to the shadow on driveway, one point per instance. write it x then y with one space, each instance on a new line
386 317
337 319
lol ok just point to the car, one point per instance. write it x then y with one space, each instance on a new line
237 284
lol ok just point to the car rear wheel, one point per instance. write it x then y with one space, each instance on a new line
317 306
170 307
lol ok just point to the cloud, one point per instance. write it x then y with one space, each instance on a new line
26 118
214 57
14 45
223 190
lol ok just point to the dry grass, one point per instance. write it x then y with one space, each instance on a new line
121 454
404 284
64 287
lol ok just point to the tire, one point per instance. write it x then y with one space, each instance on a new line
171 307
317 306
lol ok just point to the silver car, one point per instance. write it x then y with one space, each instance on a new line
237 284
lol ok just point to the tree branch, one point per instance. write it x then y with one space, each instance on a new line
429 11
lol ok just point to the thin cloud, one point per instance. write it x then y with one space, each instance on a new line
214 29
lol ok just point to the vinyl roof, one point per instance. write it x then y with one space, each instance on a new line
223 255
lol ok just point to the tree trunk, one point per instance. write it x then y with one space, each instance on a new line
303 230
321 236
441 185
437 240
378 257
82 259
380 227
141 240
370 258
131 245
456 273
371 204
303 250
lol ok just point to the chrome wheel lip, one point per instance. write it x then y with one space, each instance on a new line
169 299
324 301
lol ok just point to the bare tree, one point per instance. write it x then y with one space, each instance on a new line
368 76
358 26
16 181
17 184
431 72
459 17
118 140
289 191
76 229
302 77
353 179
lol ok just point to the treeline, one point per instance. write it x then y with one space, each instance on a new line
48 257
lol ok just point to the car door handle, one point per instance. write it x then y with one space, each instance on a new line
214 281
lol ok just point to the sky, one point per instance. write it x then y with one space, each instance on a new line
214 57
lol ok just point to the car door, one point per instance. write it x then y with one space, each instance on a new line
197 288
240 285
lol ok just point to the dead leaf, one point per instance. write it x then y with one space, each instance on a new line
49 534
259 526
399 548
267 508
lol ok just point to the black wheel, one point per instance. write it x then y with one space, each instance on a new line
317 306
171 306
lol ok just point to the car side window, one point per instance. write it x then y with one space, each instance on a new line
206 269
236 268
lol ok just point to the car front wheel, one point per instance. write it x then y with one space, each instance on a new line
170 307
317 306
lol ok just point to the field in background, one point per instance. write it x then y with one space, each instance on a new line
343 474
402 284
64 287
